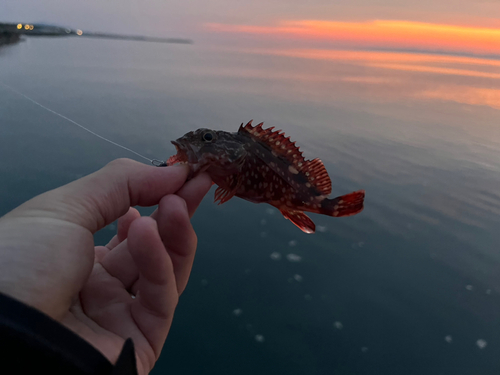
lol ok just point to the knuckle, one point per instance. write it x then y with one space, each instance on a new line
121 163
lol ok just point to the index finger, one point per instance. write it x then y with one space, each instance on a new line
102 197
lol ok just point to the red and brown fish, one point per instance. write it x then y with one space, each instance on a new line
263 166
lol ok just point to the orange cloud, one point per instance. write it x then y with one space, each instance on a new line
388 34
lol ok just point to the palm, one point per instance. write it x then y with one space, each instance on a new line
136 281
105 315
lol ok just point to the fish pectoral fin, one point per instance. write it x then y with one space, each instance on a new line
300 219
224 194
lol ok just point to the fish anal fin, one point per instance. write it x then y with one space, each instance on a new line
279 144
300 219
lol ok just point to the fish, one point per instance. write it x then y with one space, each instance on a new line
264 166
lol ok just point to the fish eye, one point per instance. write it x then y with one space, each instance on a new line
208 137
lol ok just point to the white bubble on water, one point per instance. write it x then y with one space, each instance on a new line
292 243
321 228
263 234
275 256
448 339
481 344
357 245
308 297
469 287
338 325
204 282
270 211
488 291
263 222
364 349
293 258
298 278
259 338
237 312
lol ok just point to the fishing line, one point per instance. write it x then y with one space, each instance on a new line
152 161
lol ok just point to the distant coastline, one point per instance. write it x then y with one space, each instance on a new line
8 38
10 33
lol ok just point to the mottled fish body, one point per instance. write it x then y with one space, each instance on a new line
263 166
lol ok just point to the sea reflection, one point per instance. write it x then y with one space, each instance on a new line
416 272
390 75
466 95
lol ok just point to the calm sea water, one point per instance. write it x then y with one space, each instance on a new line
410 286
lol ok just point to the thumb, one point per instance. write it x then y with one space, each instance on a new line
102 197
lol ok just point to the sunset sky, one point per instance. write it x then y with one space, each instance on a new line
316 17
388 34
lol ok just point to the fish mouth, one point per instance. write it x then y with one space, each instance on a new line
185 154
180 157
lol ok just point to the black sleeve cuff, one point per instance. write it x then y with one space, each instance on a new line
32 341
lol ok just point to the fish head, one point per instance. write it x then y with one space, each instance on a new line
205 148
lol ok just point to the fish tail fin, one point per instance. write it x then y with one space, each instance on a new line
345 205
300 219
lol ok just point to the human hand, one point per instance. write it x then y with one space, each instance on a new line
48 259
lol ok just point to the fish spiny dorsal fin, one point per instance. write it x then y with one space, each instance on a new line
313 170
276 141
317 175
